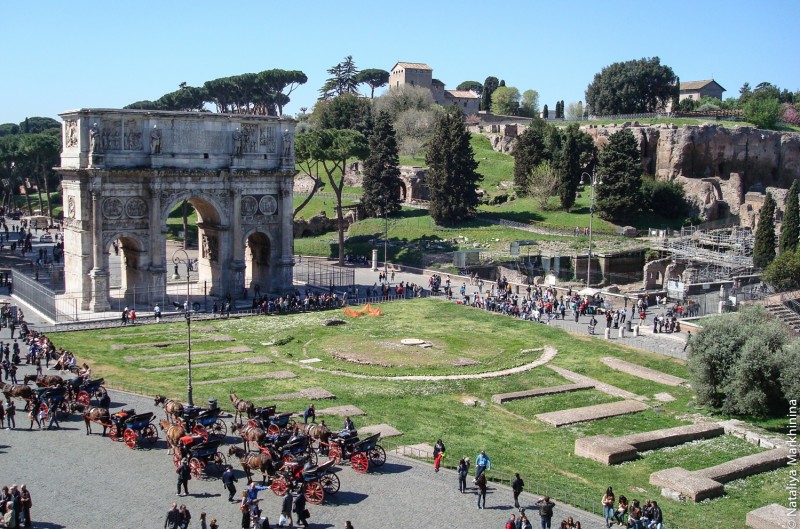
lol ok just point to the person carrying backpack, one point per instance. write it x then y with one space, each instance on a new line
546 511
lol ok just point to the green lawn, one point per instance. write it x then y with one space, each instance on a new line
464 341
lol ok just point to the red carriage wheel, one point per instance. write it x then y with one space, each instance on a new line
360 462
113 433
279 486
200 430
220 428
314 492
252 423
196 467
83 398
150 433
176 460
273 429
335 453
130 438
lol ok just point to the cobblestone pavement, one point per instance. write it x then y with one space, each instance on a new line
81 481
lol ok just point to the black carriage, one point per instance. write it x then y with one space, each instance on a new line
201 452
360 452
271 422
83 392
317 481
131 428
203 421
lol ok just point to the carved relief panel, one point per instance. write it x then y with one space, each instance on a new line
112 136
70 133
133 136
250 138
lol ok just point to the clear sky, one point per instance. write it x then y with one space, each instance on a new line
60 55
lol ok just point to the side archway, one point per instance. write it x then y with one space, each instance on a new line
258 262
126 258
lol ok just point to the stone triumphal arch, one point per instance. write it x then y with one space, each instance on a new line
125 170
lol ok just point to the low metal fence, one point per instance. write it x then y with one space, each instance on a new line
323 275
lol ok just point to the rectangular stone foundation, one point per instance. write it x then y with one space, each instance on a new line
772 516
642 372
539 392
679 483
591 413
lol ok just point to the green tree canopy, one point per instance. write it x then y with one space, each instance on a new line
529 152
790 226
399 99
505 101
374 78
620 167
475 86
347 111
764 245
343 80
382 170
635 86
489 86
783 273
762 111
452 176
529 106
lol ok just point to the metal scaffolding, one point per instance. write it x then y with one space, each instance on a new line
713 255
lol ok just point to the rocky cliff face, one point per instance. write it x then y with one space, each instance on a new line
717 165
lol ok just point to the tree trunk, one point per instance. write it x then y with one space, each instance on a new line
317 186
47 194
38 184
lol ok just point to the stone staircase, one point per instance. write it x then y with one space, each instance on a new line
786 307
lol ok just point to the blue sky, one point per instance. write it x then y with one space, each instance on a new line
59 55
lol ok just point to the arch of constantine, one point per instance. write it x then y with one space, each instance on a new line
125 170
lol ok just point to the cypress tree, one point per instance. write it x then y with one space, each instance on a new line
764 246
569 167
562 109
382 170
619 196
452 176
790 227
545 112
529 151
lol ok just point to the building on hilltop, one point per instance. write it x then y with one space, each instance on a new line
697 90
420 74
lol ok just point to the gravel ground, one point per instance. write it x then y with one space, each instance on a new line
81 481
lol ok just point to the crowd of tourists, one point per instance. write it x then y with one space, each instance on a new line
15 506
631 513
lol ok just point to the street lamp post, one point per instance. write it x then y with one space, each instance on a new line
178 259
594 180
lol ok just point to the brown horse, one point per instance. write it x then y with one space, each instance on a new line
92 414
174 434
318 432
249 434
253 461
44 381
241 407
172 408
17 390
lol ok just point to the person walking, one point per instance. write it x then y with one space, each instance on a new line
2 421
608 506
173 520
546 511
481 483
33 414
482 463
463 472
184 475
688 340
517 485
228 480
53 416
157 312
27 503
310 413
300 508
285 519
244 507
438 454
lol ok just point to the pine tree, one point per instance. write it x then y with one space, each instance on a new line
452 178
620 167
529 151
382 170
764 246
790 227
489 86
545 112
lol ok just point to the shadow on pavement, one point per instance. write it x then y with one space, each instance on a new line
347 498
390 468
48 525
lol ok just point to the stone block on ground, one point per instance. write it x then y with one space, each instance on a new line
342 411
678 483
747 466
384 429
272 375
664 397
642 372
254 360
500 398
771 516
599 386
306 393
591 413
605 449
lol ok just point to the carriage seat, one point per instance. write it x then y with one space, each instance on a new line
191 440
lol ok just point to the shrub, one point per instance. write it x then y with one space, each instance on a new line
665 198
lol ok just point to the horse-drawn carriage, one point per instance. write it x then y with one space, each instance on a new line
131 428
272 423
52 400
315 481
360 452
203 421
200 452
84 391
